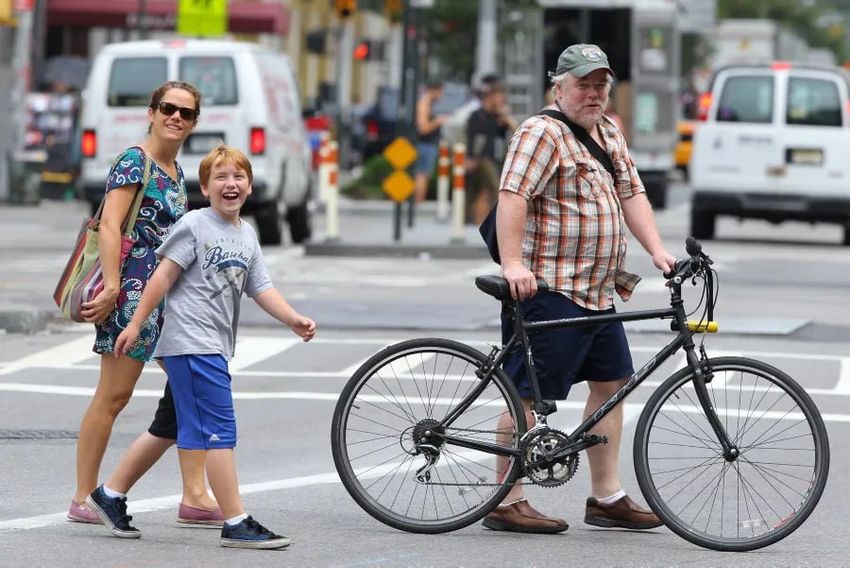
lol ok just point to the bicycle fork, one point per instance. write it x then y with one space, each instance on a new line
703 375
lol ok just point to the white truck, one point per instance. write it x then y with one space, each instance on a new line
641 40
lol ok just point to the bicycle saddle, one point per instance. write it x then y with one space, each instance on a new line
497 286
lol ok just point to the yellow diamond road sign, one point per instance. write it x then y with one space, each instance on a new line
398 186
202 17
400 153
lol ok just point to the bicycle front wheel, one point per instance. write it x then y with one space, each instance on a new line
387 440
741 503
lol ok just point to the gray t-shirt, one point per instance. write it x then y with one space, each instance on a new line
219 262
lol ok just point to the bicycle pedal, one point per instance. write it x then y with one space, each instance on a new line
595 439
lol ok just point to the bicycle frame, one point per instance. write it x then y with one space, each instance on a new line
683 339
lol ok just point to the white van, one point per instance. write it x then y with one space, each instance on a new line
772 143
249 101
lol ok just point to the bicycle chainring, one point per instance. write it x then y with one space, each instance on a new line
539 467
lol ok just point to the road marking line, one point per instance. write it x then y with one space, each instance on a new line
63 355
159 503
252 350
843 384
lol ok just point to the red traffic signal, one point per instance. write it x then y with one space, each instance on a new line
361 51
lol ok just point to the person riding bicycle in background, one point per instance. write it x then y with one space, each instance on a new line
561 219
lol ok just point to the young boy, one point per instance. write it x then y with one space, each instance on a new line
208 259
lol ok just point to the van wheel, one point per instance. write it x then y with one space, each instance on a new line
270 224
298 218
702 224
847 234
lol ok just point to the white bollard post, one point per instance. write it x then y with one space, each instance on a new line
325 138
443 176
332 196
458 194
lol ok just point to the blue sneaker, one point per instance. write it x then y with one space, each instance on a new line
113 512
251 534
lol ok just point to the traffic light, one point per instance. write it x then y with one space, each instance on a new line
394 9
345 8
369 50
316 41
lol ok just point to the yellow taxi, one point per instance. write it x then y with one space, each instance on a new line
682 151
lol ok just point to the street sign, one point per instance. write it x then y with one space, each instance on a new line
398 186
202 17
400 153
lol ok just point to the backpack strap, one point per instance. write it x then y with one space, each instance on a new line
585 138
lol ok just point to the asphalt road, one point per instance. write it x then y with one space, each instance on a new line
783 298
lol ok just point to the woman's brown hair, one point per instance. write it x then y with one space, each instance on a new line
156 96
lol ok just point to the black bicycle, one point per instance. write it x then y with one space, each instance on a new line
429 435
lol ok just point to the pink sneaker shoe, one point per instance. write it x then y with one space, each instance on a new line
82 514
200 517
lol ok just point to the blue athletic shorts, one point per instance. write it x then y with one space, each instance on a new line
566 356
200 385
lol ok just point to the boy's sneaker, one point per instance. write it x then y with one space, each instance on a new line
113 512
251 534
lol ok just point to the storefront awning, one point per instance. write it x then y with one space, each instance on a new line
243 17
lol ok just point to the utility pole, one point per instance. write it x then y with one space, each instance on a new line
485 49
345 48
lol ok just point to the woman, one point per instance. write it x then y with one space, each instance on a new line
172 115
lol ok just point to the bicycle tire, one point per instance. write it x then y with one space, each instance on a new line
761 497
386 397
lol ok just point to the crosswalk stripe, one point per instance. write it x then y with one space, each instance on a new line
62 355
251 350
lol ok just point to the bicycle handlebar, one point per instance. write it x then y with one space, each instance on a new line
698 264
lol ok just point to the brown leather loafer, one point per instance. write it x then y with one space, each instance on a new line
622 513
520 516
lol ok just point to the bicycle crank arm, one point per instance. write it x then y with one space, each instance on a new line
586 441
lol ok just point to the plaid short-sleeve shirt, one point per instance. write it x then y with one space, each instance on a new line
574 232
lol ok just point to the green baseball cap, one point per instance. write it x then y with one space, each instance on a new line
582 58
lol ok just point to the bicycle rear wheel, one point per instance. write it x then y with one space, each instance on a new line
397 397
739 504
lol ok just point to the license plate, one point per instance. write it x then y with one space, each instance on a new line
203 142
804 156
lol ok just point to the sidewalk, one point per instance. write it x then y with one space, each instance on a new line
367 230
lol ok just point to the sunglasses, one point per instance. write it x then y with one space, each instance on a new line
187 114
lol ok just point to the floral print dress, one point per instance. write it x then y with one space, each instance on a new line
163 203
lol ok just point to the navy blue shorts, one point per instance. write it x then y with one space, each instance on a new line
164 423
566 356
204 402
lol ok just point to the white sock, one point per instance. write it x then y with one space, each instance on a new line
233 521
112 494
611 498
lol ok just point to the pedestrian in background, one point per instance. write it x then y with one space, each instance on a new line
207 261
561 218
428 130
172 115
486 131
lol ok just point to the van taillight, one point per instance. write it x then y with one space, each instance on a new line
88 144
258 140
704 105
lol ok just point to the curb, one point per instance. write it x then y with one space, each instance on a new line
24 319
459 251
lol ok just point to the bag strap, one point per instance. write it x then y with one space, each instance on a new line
585 138
133 212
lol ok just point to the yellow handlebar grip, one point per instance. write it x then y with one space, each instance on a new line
703 326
